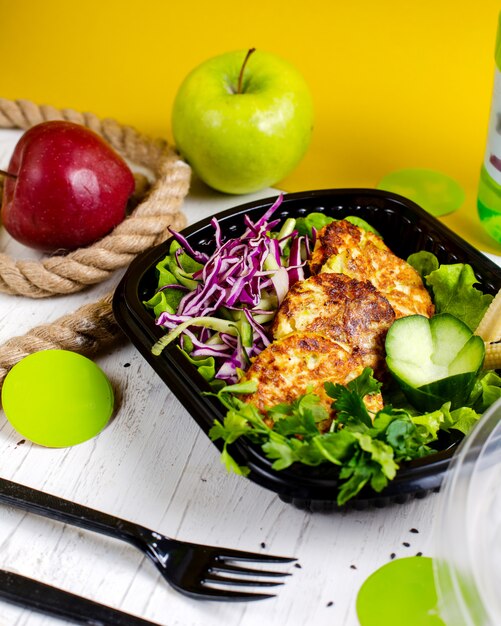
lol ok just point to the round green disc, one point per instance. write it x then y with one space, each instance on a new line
401 592
57 398
435 192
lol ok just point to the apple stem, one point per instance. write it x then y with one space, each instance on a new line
4 173
241 75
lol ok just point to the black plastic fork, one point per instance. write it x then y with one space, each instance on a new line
199 571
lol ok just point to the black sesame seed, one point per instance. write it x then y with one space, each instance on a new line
419 554
406 544
414 530
330 603
263 545
353 567
298 565
392 556
126 364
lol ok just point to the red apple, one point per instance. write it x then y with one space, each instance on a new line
65 187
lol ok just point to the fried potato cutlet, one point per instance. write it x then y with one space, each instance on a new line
299 363
342 247
344 309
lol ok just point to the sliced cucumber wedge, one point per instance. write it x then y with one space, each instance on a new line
434 360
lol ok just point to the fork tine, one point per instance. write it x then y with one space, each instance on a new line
239 555
208 593
213 577
227 568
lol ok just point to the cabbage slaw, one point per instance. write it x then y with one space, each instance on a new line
220 306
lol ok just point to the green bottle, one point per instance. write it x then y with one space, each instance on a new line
489 187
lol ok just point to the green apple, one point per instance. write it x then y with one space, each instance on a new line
243 120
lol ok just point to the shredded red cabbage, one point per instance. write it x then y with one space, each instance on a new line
243 283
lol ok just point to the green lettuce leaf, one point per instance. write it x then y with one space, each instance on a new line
361 223
462 419
452 288
165 301
206 366
454 293
486 391
423 262
305 225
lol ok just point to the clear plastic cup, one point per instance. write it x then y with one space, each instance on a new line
467 566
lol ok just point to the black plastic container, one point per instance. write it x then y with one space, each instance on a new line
405 227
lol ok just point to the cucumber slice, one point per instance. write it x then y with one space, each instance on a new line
246 333
454 389
449 336
434 360
472 352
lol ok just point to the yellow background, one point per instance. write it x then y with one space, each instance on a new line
396 83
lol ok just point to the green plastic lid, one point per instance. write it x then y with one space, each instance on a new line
57 398
402 592
434 191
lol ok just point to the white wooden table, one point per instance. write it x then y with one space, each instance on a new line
154 466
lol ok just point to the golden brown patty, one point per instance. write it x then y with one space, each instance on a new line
299 363
342 247
347 310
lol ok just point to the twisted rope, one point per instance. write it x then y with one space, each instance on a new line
88 330
146 226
